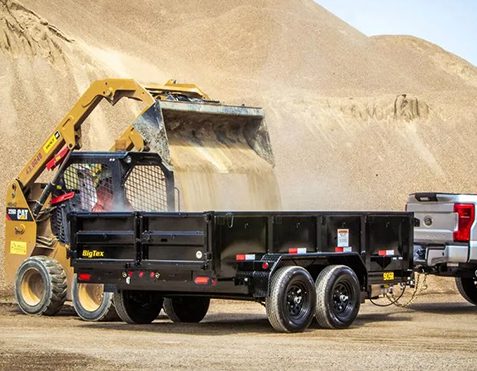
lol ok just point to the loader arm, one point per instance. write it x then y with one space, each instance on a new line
68 131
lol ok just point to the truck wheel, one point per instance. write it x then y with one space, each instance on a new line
291 302
40 286
190 309
337 297
467 287
140 307
91 303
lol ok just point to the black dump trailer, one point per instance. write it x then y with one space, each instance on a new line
300 265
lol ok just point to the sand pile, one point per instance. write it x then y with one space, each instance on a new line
355 122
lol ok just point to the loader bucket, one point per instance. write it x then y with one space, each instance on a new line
202 124
221 154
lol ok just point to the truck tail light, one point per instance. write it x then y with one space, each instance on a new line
466 217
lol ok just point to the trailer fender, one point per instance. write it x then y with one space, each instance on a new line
315 263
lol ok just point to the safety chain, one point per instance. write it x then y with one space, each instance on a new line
419 288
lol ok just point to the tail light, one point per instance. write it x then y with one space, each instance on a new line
466 217
84 277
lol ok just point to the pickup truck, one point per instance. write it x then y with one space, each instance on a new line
445 238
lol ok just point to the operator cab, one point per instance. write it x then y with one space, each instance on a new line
110 181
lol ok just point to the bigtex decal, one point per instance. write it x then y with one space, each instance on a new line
14 213
92 254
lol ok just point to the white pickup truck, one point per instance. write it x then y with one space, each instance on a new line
445 238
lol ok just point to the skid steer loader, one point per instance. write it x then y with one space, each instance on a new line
36 243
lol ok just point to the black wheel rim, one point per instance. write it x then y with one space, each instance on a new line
343 299
297 301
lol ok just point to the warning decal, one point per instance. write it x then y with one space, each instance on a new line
342 237
18 247
51 142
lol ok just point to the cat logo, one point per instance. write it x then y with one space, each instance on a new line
93 254
18 214
22 214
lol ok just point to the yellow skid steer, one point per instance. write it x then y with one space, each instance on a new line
36 251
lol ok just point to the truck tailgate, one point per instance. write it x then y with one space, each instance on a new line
437 219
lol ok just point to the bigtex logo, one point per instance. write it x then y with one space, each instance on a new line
93 254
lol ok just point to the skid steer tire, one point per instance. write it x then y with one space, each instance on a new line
291 302
337 297
40 286
467 287
92 303
189 309
139 307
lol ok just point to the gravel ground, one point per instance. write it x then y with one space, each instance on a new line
439 331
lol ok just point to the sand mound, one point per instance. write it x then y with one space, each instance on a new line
26 33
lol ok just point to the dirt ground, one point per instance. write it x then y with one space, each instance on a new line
439 331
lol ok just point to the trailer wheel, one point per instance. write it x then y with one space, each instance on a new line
190 309
40 286
92 303
467 287
139 307
337 297
291 302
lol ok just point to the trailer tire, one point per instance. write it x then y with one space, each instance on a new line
92 303
291 302
191 309
140 307
40 286
467 287
337 297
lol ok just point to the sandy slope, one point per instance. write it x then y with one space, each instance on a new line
343 134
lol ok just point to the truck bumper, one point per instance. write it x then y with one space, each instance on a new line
440 254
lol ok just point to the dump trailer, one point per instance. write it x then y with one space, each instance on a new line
36 237
300 265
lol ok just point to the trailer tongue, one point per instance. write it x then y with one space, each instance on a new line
300 264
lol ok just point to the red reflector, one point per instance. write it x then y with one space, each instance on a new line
141 274
66 196
84 276
151 274
240 257
201 280
265 265
466 216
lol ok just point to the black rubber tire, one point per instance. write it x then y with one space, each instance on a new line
92 309
332 281
40 286
291 302
467 287
140 307
191 309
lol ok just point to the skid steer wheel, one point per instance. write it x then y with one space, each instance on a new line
186 308
92 303
40 286
291 301
467 287
337 297
140 307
